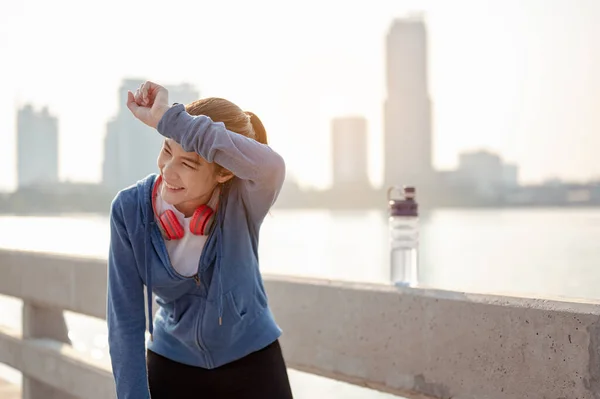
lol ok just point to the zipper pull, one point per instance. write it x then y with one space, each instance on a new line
197 279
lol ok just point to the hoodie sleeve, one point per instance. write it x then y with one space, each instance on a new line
257 165
125 313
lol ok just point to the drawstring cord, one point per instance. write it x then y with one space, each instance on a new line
148 282
220 287
219 255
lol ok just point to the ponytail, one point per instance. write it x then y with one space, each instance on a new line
260 134
234 119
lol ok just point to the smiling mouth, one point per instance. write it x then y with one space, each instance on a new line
172 187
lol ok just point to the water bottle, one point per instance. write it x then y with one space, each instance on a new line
404 236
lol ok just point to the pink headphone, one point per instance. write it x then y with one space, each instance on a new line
169 224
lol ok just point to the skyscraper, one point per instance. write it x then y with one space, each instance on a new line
349 152
407 113
37 147
130 147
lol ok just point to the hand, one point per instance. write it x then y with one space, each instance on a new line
149 103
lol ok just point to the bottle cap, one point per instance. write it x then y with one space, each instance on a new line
405 205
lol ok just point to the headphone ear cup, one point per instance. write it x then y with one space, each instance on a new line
200 219
171 225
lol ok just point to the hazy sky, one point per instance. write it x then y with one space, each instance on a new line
518 77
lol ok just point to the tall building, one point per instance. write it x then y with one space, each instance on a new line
349 152
37 147
130 147
407 113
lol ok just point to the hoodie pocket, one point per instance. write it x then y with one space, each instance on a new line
232 324
236 312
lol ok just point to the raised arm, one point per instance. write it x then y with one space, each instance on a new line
246 158
261 169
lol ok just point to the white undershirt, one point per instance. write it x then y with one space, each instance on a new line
184 253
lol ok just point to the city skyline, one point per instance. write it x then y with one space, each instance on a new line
554 136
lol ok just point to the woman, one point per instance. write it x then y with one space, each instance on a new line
190 235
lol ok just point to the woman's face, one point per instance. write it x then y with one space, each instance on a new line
188 179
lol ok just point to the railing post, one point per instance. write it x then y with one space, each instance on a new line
42 322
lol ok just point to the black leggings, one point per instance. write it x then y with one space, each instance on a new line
260 375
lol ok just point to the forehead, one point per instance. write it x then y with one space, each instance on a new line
176 148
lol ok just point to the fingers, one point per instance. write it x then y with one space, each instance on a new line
131 102
138 96
141 95
144 93
148 114
151 86
148 95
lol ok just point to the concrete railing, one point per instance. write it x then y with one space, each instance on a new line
417 343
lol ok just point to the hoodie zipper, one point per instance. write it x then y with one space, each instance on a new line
202 255
199 339
196 278
198 281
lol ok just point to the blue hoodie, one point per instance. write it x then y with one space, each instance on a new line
219 315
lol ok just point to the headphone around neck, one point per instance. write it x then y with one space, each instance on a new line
169 224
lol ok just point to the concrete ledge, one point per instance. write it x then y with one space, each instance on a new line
59 281
10 348
57 365
409 342
442 344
